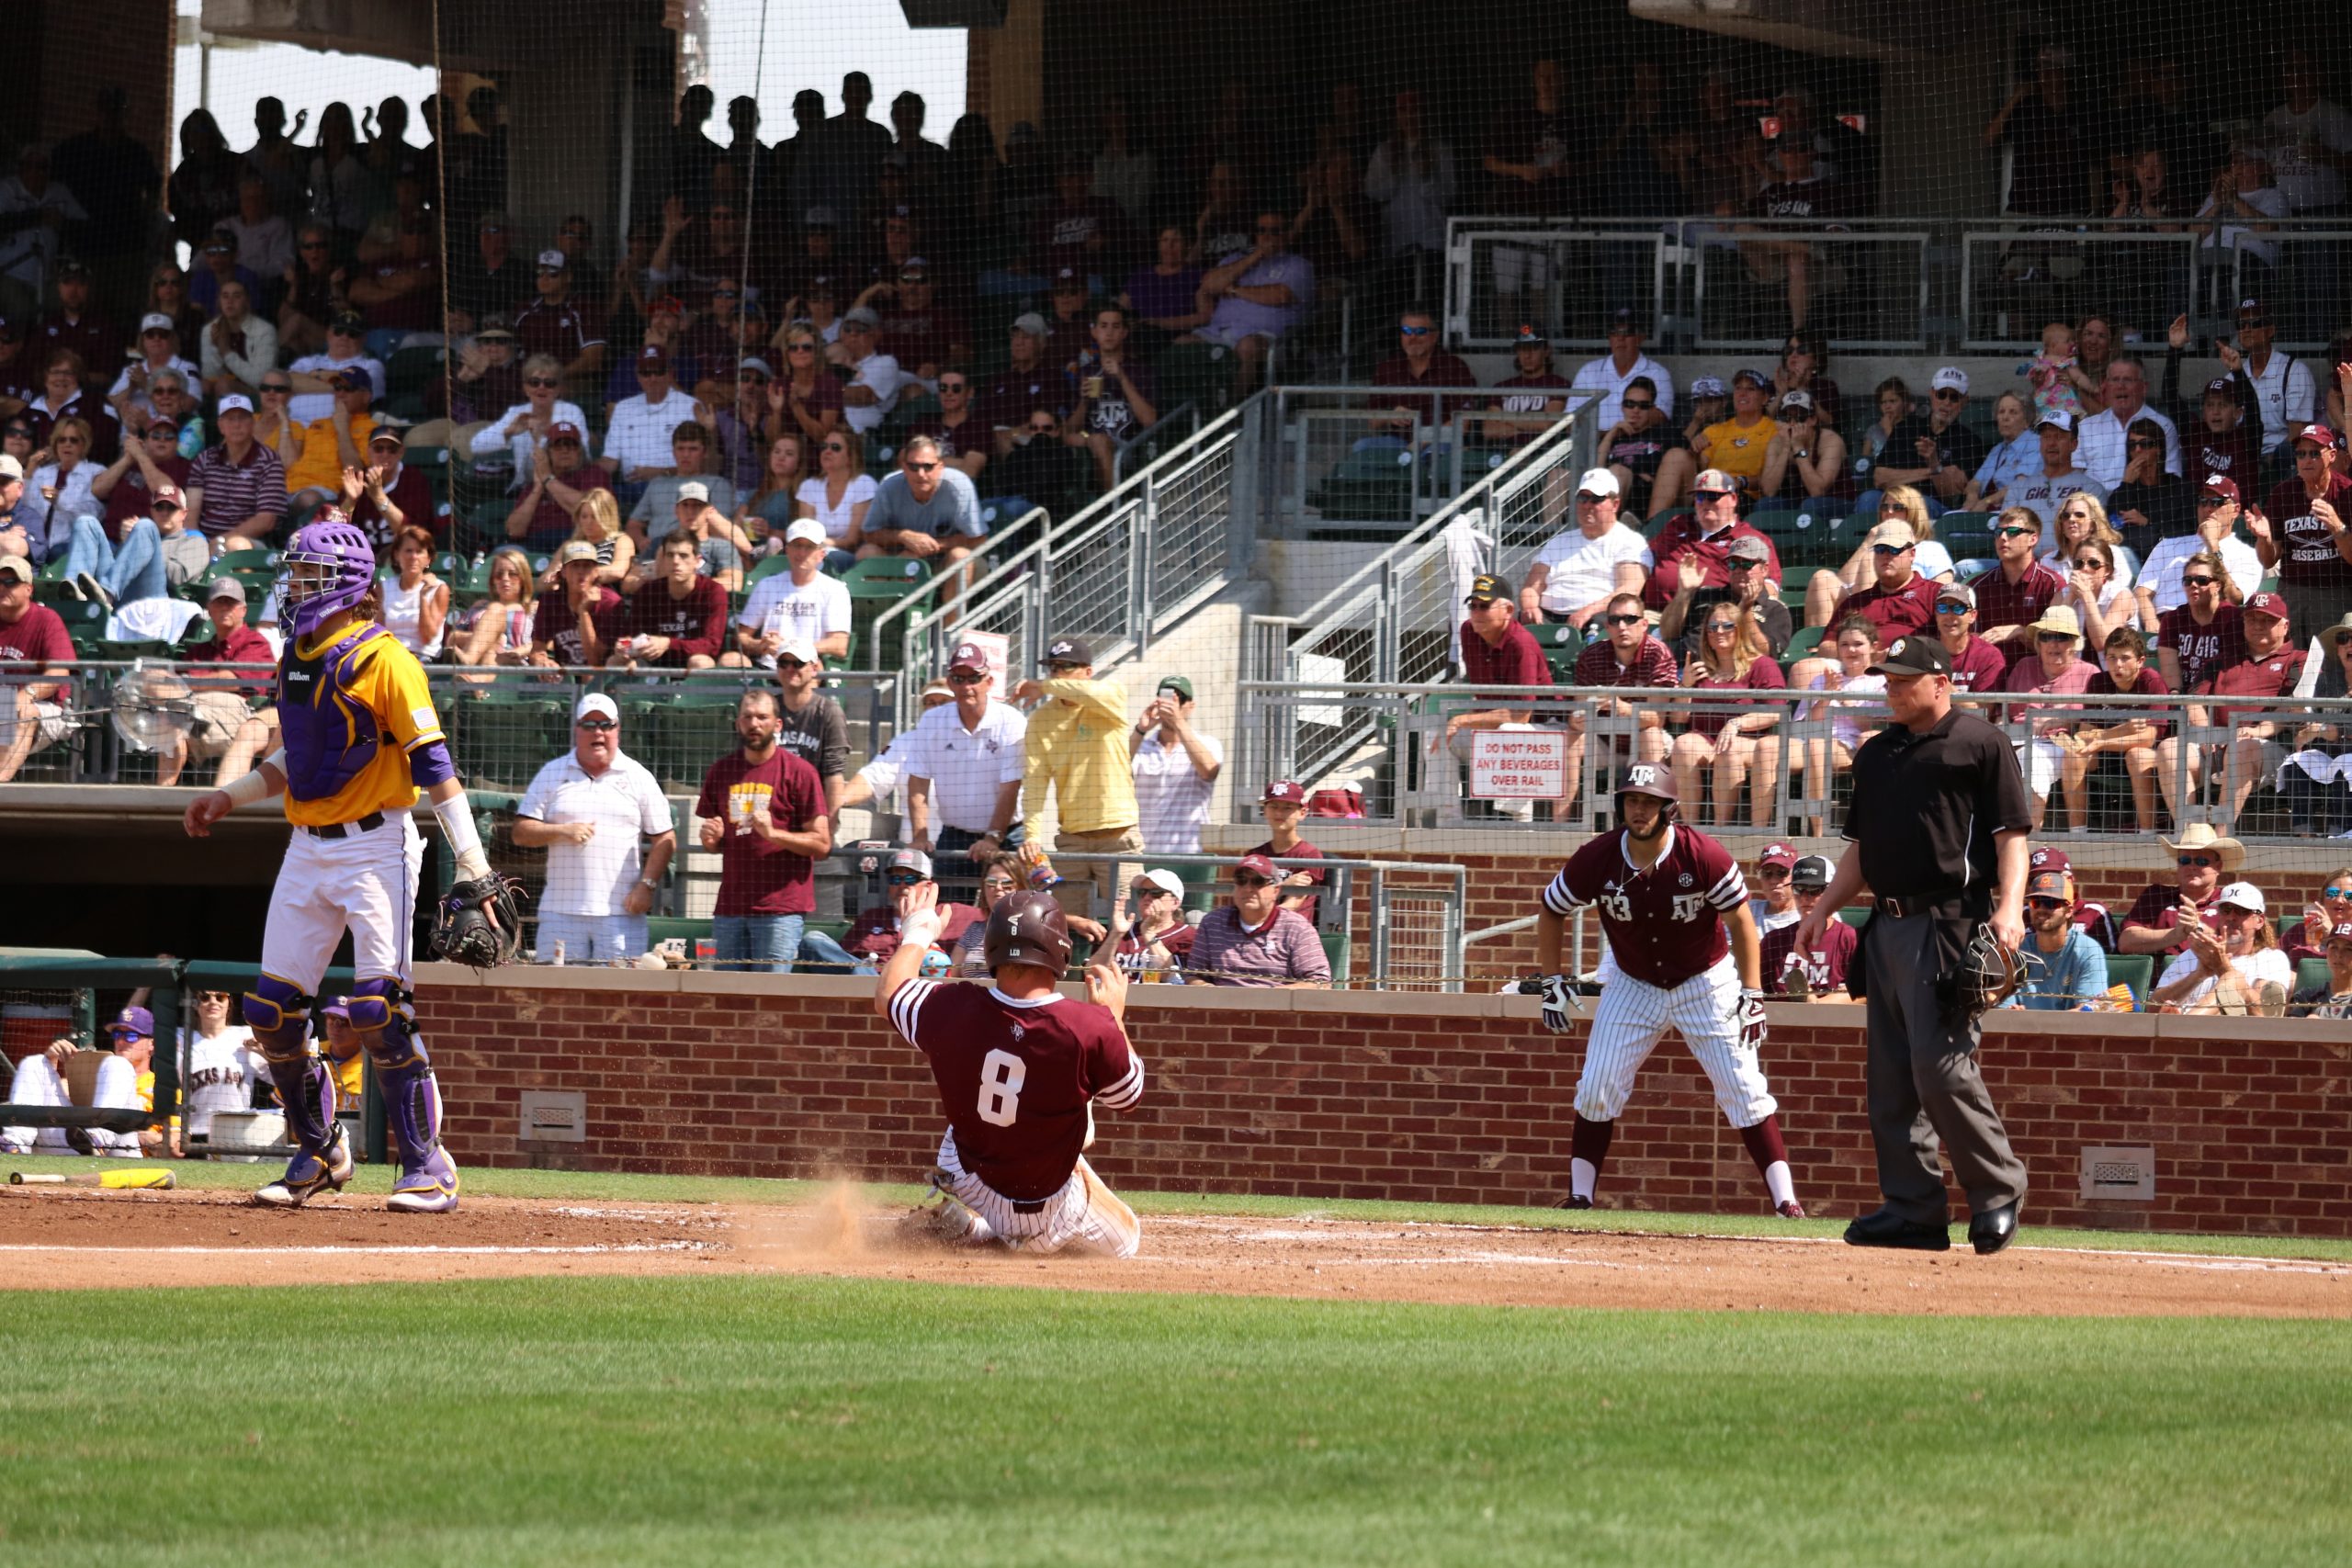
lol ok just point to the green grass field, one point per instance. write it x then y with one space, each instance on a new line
800 1420
743 1420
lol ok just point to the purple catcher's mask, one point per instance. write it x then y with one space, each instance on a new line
329 565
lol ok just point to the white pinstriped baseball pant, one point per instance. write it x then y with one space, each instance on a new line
1633 1016
1073 1217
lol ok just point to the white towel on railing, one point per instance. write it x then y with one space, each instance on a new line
1469 551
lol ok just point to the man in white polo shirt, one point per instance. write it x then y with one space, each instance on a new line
589 808
802 604
964 774
1175 770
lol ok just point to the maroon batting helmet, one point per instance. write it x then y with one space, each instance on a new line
1027 928
1653 779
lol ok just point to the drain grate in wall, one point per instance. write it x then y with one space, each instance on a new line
2119 1174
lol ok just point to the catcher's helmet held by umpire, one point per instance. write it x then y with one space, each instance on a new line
1027 928
1653 779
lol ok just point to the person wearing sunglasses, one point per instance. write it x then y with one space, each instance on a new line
2065 969
1418 361
1735 740
1614 375
311 293
221 1070
2231 965
513 440
2104 434
2328 909
1804 466
2051 750
2160 918
2307 537
557 323
962 431
315 376
2165 585
2057 476
875 934
1259 295
601 815
963 773
1977 665
2333 996
1931 450
2151 506
1253 941
2254 752
2018 587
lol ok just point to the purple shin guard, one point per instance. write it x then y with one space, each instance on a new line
307 1090
412 1108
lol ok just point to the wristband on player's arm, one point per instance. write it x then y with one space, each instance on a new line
255 785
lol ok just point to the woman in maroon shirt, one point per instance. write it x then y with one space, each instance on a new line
2305 538
1735 740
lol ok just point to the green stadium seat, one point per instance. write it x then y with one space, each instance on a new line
85 622
2136 970
500 736
2310 971
687 729
768 567
875 585
1804 640
1561 644
1856 915
1201 374
1335 950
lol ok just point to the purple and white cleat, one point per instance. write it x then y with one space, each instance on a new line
306 1175
430 1189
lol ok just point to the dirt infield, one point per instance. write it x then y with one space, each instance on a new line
83 1239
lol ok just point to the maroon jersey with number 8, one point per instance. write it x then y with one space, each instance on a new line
1015 1077
1663 924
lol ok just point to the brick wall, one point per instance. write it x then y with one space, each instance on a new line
1459 1099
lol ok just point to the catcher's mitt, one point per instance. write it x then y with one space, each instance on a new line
1988 973
480 923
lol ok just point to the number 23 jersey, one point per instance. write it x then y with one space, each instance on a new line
1016 1076
1664 924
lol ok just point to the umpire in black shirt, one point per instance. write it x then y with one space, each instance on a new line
1939 823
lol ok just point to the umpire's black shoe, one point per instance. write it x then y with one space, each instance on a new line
1887 1228
1993 1230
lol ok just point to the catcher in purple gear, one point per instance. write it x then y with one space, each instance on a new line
361 740
1684 954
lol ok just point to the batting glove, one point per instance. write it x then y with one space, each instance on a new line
1750 1018
1558 1002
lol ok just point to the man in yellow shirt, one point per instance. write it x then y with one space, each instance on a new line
332 445
1077 749
1737 445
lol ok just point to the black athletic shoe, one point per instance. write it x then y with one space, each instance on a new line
1887 1228
1572 1202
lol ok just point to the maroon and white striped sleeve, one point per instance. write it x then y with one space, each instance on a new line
906 1009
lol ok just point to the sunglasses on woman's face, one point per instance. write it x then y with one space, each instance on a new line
2197 582
835 447
2091 563
542 381
2142 443
1724 626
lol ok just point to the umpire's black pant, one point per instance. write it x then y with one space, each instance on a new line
1924 1081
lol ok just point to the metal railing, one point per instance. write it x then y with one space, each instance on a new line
2291 786
1369 462
1394 619
1119 574
1946 284
503 723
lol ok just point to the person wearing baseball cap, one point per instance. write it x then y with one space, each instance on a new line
1571 578
313 376
2272 382
1699 544
872 937
876 786
2309 541
1157 938
1806 460
1737 445
1683 624
334 444
1818 974
35 639
1938 828
2065 969
1496 651
2232 965
577 620
1899 598
2331 997
963 773
1613 372
1929 449
1776 906
1176 768
227 725
1977 665
803 603
1420 362
1284 805
1075 751
2163 582
876 379
603 819
1256 939
1530 394
2268 672
125 1081
640 435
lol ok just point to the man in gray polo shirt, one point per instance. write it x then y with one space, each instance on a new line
926 510
1254 940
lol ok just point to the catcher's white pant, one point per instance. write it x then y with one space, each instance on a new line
38 1083
1634 1015
366 882
1084 1215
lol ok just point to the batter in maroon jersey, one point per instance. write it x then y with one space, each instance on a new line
1020 1069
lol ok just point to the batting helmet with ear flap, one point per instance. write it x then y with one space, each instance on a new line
1027 928
1653 779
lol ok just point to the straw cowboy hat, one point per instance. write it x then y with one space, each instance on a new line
2198 836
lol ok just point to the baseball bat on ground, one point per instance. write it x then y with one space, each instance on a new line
163 1180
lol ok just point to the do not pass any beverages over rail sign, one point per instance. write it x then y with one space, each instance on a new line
1519 761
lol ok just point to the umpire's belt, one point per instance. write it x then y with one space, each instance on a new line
368 824
1928 904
